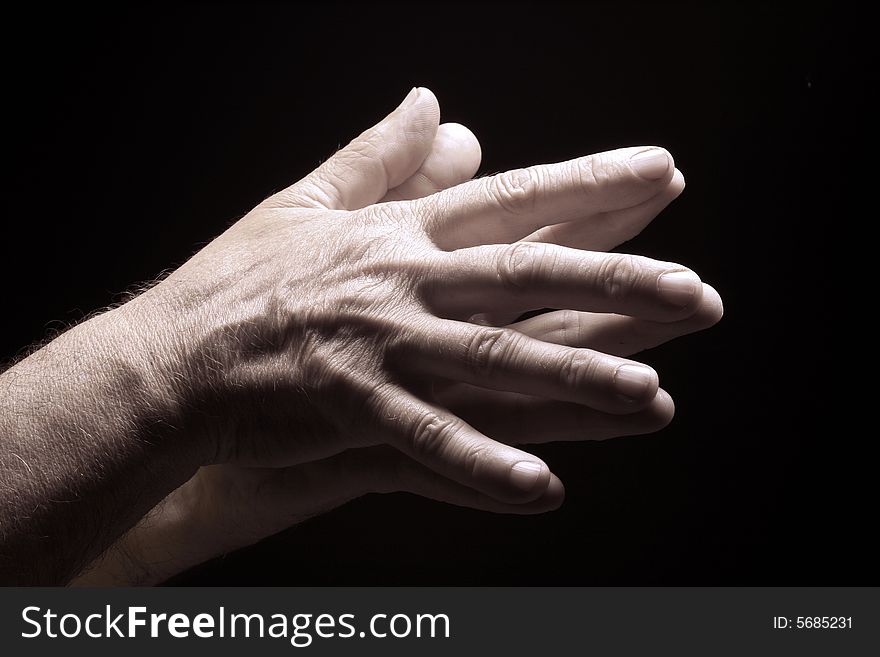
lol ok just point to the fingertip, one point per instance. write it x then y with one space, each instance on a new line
653 164
460 135
635 385
405 137
677 184
425 92
550 500
670 172
682 289
656 415
426 105
455 156
554 496
417 116
662 409
629 176
671 158
711 308
529 479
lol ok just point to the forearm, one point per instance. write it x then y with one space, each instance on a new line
88 444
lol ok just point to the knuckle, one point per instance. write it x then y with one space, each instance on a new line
474 458
585 171
326 186
568 327
618 276
388 213
346 161
368 145
515 191
595 172
577 369
319 370
426 216
431 435
519 264
488 349
302 194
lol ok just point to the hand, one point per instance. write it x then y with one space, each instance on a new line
258 501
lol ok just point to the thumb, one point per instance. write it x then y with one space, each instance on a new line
377 160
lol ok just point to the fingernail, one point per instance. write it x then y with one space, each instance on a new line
633 381
651 164
524 474
410 98
678 287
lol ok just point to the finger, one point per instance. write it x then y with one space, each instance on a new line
606 230
282 497
331 482
504 359
379 159
517 419
511 205
451 448
600 232
619 334
454 158
514 278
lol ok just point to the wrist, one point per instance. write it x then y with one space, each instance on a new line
158 349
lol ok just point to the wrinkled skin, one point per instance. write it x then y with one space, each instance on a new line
352 334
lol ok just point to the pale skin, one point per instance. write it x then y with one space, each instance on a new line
349 335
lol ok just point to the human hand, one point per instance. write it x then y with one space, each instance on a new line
374 468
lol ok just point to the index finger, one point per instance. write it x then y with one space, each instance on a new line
511 205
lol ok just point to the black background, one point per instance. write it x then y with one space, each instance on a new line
136 135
